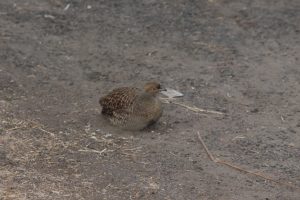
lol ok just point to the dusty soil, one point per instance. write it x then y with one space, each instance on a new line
238 57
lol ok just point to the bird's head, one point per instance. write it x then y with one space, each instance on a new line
153 88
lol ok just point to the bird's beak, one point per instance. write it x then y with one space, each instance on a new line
162 89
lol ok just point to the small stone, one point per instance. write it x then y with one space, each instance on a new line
255 110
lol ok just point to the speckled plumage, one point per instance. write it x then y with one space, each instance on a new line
132 108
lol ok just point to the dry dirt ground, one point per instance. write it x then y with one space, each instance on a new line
240 57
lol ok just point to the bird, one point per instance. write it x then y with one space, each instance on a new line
133 108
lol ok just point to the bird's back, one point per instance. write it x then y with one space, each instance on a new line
118 99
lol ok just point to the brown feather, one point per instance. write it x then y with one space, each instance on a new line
132 108
118 99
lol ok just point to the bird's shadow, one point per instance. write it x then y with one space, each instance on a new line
103 124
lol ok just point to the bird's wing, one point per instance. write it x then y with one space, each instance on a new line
118 99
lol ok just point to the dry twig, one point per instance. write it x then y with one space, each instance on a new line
192 108
45 131
94 151
223 162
